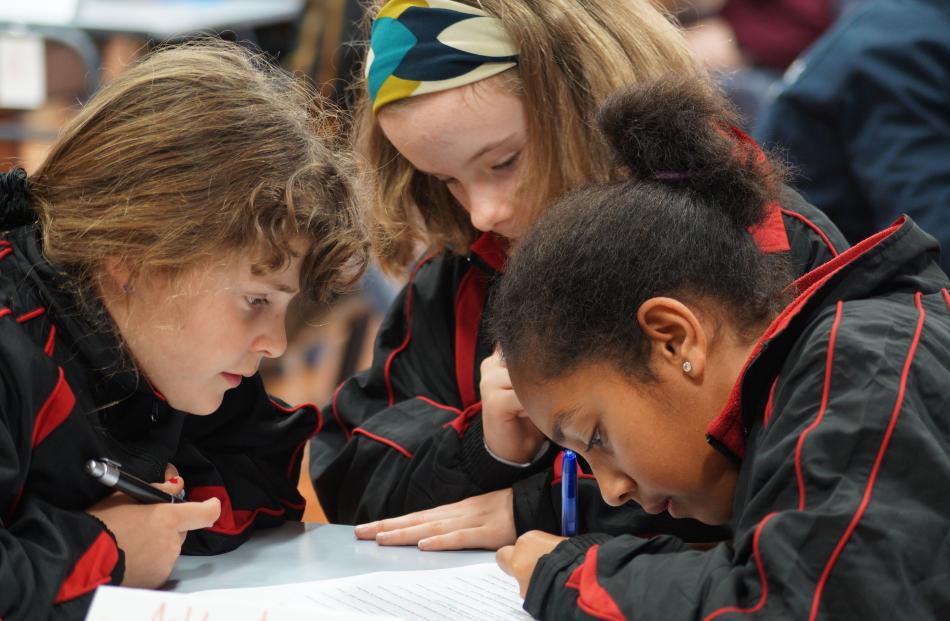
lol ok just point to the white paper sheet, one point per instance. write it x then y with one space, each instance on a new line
121 604
472 593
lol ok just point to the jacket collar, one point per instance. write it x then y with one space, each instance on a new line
99 349
491 250
901 257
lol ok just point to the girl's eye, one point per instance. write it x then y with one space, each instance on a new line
253 302
509 163
594 439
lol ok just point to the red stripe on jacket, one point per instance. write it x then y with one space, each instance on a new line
593 598
769 404
866 499
299 448
50 341
460 423
814 227
57 408
756 554
36 312
825 391
93 568
391 444
726 428
231 521
336 412
405 342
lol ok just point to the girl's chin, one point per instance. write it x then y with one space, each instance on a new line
198 407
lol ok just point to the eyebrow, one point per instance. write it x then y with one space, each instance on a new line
284 288
273 284
490 146
561 419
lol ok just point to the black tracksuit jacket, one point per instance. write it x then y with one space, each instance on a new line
407 434
63 401
841 420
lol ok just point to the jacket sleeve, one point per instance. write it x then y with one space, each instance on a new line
395 437
247 454
51 559
839 496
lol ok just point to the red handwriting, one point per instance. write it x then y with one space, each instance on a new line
162 614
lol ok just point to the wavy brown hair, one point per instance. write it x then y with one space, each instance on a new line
198 152
572 55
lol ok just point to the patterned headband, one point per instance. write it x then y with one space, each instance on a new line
426 46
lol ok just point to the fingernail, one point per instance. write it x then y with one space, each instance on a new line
423 544
361 528
174 480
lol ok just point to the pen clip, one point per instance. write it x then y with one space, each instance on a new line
110 462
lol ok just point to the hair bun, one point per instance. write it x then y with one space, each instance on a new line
679 131
16 205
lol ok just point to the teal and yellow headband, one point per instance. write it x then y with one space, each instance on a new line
426 46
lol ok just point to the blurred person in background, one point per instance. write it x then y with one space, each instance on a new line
864 117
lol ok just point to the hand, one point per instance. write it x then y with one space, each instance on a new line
509 433
519 560
152 535
485 521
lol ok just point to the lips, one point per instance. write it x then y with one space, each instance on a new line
659 507
233 379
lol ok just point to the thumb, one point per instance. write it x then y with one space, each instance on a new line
504 557
195 515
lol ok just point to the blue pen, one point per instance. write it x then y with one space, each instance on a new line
569 494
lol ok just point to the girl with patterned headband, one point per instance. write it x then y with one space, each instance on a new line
474 116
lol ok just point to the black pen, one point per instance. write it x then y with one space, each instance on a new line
109 473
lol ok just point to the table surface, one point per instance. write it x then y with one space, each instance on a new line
297 552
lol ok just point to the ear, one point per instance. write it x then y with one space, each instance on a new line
676 335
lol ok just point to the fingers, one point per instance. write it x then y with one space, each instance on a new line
483 537
373 529
195 515
413 535
495 372
504 557
485 521
520 559
174 486
170 472
507 401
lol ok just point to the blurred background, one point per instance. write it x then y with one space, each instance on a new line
55 53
